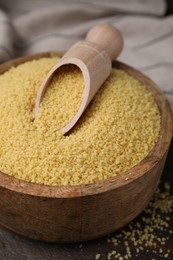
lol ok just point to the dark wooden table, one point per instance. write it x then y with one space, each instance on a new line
14 247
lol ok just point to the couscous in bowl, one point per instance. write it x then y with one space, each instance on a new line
72 213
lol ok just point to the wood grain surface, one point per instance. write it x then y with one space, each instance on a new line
14 247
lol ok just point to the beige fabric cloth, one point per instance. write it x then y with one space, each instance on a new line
30 26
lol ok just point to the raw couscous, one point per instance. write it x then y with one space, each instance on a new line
118 129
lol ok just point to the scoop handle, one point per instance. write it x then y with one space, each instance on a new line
108 37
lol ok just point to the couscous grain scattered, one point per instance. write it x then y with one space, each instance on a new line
97 256
118 129
148 235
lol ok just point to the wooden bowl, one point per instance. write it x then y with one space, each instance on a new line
79 213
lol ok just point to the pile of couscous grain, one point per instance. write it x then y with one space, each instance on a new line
118 129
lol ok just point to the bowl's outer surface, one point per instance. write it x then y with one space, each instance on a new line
79 213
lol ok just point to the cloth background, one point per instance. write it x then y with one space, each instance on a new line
32 26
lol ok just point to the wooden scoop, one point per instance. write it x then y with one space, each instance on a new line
94 58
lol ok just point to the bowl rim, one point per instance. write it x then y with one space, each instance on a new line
140 169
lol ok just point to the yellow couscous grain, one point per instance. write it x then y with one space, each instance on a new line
118 129
150 235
